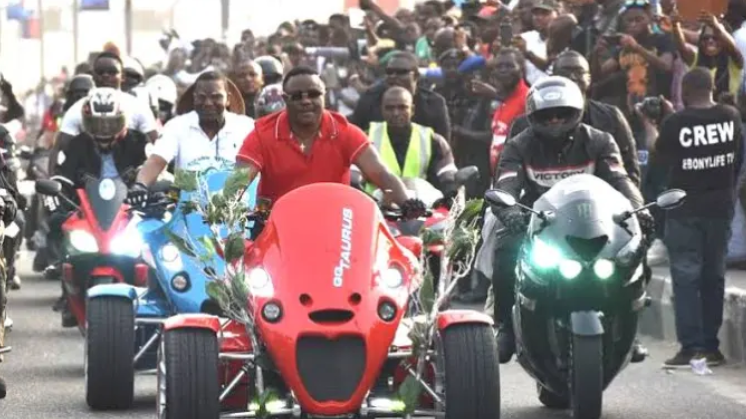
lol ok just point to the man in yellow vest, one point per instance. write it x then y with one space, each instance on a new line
410 150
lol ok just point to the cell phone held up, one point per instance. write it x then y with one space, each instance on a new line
506 33
613 40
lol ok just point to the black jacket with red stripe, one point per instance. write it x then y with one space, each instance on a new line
532 165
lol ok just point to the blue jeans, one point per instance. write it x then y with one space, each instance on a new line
697 248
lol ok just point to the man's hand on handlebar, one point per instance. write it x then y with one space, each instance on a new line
413 208
138 195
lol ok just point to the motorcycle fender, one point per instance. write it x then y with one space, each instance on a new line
449 318
586 323
192 321
113 290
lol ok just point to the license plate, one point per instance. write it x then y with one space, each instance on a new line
12 230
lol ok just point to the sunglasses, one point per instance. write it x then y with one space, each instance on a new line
398 72
298 96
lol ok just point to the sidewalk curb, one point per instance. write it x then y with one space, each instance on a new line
657 321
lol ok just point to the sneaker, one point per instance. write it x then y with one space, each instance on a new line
3 389
639 352
15 283
714 358
681 360
68 319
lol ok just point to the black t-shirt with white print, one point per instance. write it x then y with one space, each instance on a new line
702 151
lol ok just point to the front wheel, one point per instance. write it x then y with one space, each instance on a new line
472 373
188 386
110 346
587 376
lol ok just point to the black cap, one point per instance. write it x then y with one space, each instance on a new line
550 5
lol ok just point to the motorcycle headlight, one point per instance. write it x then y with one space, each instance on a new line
259 282
392 278
129 243
543 255
83 241
171 257
603 268
569 268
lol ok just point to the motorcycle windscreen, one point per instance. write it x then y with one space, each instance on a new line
584 208
321 239
106 196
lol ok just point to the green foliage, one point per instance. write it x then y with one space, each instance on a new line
185 180
409 393
235 246
181 243
237 182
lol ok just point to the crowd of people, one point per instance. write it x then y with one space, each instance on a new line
529 91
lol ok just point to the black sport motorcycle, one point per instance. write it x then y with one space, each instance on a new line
580 288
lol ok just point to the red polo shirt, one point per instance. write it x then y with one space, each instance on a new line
284 166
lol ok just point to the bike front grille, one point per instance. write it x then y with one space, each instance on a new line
331 369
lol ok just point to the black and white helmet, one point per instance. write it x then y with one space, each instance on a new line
103 116
555 107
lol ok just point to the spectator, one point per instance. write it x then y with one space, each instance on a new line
715 50
429 107
247 76
643 62
701 148
533 44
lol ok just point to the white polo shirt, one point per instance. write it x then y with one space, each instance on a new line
139 116
183 140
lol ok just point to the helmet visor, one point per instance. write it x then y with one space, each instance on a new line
104 126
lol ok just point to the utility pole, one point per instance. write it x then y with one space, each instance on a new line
128 25
42 64
225 18
76 32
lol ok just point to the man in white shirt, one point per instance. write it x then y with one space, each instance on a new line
107 72
208 131
533 44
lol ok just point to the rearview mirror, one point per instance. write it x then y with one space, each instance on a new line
48 187
670 199
499 197
467 174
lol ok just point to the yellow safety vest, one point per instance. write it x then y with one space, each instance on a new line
418 153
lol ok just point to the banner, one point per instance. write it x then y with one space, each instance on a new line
94 5
16 11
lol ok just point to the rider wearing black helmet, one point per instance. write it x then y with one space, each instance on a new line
272 69
557 145
77 89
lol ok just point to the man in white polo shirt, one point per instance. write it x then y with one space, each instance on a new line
208 131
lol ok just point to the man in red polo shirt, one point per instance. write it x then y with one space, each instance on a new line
306 144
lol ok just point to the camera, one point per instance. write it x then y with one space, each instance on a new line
652 108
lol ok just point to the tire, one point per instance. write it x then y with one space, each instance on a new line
472 373
188 388
110 349
551 400
587 377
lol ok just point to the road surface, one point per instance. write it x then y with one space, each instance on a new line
45 376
